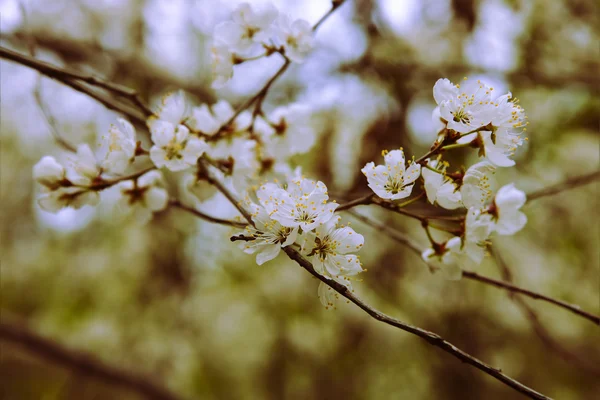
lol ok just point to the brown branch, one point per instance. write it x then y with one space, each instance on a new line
405 240
365 200
432 338
66 73
176 203
59 74
566 185
538 327
504 285
262 93
83 363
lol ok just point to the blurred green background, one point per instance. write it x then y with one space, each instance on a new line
177 301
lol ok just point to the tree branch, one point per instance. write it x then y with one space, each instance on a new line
538 327
430 337
176 203
405 240
60 75
82 362
570 183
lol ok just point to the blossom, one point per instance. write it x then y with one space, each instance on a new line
329 249
269 236
392 181
209 120
440 188
120 146
83 169
239 154
70 196
476 188
478 228
248 29
303 204
174 147
144 196
49 172
296 37
463 107
444 257
173 108
288 131
222 63
505 210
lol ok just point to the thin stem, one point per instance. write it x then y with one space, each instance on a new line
405 240
410 201
65 73
368 199
112 182
538 327
455 146
504 285
568 184
431 152
205 169
176 203
432 338
433 169
83 363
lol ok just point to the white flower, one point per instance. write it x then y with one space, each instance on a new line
296 37
468 250
392 181
440 188
241 156
270 236
174 147
209 120
248 29
476 190
120 146
478 228
49 172
329 250
83 168
445 258
144 196
72 196
290 131
303 204
505 210
173 108
463 107
222 65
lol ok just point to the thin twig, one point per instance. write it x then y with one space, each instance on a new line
83 363
51 72
538 327
405 240
262 93
176 203
65 73
430 337
365 200
213 180
566 185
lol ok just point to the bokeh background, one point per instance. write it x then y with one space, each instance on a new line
177 301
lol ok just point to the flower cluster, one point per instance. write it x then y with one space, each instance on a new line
80 180
300 214
470 116
254 33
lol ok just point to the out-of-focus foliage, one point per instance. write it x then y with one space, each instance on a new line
177 300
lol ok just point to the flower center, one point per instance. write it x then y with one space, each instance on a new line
173 150
394 185
461 116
